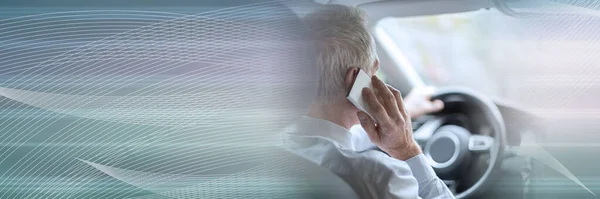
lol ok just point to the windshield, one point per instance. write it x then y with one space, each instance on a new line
464 49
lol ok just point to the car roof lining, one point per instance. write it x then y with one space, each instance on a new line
378 9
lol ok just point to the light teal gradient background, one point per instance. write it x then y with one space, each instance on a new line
150 99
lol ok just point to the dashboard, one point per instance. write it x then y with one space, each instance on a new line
518 121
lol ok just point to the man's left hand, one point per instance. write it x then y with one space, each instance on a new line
418 102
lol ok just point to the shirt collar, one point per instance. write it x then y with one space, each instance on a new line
310 126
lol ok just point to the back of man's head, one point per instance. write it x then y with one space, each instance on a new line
343 41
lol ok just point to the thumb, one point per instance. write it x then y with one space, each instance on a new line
368 124
438 105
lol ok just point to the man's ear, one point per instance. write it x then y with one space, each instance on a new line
375 67
350 77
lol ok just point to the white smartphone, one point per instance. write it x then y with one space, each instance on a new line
355 94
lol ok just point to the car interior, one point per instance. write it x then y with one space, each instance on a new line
472 143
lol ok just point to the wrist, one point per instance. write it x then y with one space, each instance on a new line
407 152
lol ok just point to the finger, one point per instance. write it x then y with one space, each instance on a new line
374 107
379 98
389 101
399 102
369 125
437 105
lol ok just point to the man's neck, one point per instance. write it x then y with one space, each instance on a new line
335 113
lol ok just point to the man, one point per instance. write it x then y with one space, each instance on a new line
344 46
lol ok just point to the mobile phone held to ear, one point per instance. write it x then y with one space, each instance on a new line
355 95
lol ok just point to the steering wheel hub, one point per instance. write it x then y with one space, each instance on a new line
447 148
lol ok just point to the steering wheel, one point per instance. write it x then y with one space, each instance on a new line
450 142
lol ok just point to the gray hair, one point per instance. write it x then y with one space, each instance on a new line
343 41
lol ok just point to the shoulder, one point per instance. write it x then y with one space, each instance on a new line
370 163
372 173
383 176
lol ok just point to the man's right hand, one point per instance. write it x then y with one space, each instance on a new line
392 129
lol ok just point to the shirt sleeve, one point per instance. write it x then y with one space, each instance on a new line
430 186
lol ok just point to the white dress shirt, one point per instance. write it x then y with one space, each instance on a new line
370 172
